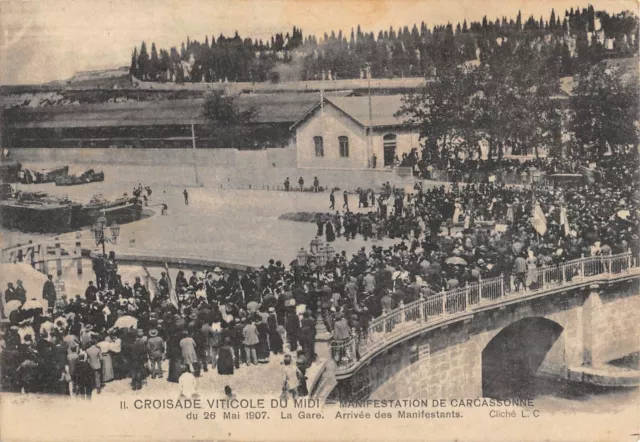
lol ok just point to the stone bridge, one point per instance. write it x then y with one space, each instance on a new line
490 340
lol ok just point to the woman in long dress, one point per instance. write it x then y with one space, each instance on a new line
115 348
107 361
189 355
330 233
262 349
225 358
275 340
457 212
175 356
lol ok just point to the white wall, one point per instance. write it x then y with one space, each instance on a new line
330 126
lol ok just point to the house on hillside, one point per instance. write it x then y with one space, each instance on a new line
345 132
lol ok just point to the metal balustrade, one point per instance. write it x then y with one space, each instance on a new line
411 317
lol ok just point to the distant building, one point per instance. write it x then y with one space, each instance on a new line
156 123
339 133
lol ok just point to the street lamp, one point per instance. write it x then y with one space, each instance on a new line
115 231
313 246
301 257
330 252
322 256
319 247
98 231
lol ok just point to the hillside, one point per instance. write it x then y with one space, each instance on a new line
567 43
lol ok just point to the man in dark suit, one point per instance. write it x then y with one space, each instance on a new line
94 357
90 292
49 292
237 339
308 336
155 346
10 293
163 285
139 356
21 293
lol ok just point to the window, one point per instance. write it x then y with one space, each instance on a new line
319 143
344 146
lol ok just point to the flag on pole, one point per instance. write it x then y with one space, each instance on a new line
172 293
148 280
538 220
564 220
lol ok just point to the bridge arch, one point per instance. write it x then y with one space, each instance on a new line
511 360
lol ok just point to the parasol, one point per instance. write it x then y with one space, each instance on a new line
126 322
623 214
456 260
11 306
33 303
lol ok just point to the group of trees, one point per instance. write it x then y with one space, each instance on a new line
517 103
577 39
604 112
224 58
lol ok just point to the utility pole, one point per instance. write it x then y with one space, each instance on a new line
195 163
369 138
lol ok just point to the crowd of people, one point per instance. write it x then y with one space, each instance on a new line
462 168
229 321
220 321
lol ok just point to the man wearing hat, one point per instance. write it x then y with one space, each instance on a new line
94 357
340 335
163 284
21 293
155 347
139 357
90 292
217 274
10 294
49 292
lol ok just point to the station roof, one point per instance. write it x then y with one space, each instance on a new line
271 109
383 110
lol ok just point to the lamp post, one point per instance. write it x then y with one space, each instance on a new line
329 252
98 231
319 248
322 256
301 257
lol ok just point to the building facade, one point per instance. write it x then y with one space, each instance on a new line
348 132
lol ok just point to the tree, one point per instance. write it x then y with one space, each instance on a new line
441 111
222 110
604 111
143 62
513 104
133 69
154 63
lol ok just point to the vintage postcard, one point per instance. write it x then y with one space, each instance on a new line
319 220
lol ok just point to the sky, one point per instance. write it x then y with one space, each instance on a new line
45 40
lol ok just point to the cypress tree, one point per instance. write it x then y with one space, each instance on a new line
143 62
133 69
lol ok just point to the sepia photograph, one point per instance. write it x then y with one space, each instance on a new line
319 220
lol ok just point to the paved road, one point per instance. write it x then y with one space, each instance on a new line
264 380
239 226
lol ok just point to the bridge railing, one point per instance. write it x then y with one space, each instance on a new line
41 253
410 317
